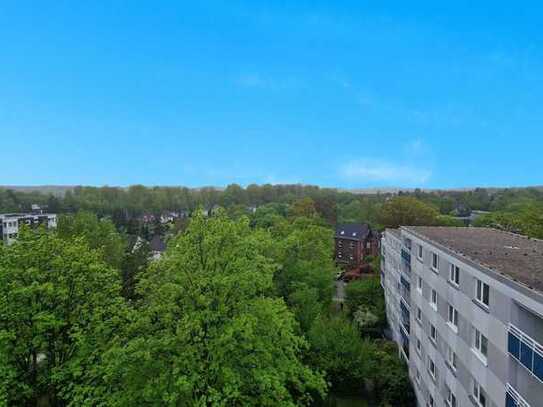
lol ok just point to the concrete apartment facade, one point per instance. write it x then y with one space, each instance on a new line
11 222
465 306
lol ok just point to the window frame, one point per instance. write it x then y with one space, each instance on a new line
435 259
480 293
433 301
478 339
453 324
454 275
476 392
433 333
451 358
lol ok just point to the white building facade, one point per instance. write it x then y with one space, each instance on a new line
473 320
10 223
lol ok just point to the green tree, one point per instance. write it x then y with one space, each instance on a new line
407 211
390 375
208 331
99 233
51 291
336 348
366 298
304 207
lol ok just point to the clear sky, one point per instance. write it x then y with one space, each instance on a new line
337 93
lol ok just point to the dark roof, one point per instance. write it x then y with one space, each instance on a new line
517 257
157 244
357 231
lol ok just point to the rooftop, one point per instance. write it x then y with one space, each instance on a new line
395 232
353 231
518 257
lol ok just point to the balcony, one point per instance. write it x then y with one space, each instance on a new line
405 291
513 398
405 343
526 351
405 317
406 256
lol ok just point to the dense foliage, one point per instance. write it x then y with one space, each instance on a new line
122 205
237 312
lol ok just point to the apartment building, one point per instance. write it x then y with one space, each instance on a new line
11 222
465 306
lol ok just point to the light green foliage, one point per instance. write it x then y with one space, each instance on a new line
304 249
366 295
407 211
445 220
51 291
99 234
525 218
209 331
364 318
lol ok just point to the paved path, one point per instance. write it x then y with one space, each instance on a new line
340 291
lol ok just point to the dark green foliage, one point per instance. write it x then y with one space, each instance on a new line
336 348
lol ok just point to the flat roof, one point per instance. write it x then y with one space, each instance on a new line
395 232
518 257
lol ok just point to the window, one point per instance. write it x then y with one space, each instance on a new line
451 398
454 275
433 333
483 293
433 299
479 394
417 376
453 318
432 368
526 351
419 253
419 346
419 314
435 262
451 358
419 284
480 344
431 401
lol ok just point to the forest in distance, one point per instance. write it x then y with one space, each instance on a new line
513 209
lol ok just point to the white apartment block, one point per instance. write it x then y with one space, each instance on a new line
465 306
11 222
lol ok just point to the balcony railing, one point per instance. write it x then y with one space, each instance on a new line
526 350
406 256
405 317
513 398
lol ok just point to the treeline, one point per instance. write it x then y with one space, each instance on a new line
333 205
237 312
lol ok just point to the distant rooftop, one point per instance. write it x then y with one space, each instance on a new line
353 231
518 257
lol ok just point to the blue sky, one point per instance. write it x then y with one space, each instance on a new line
347 94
